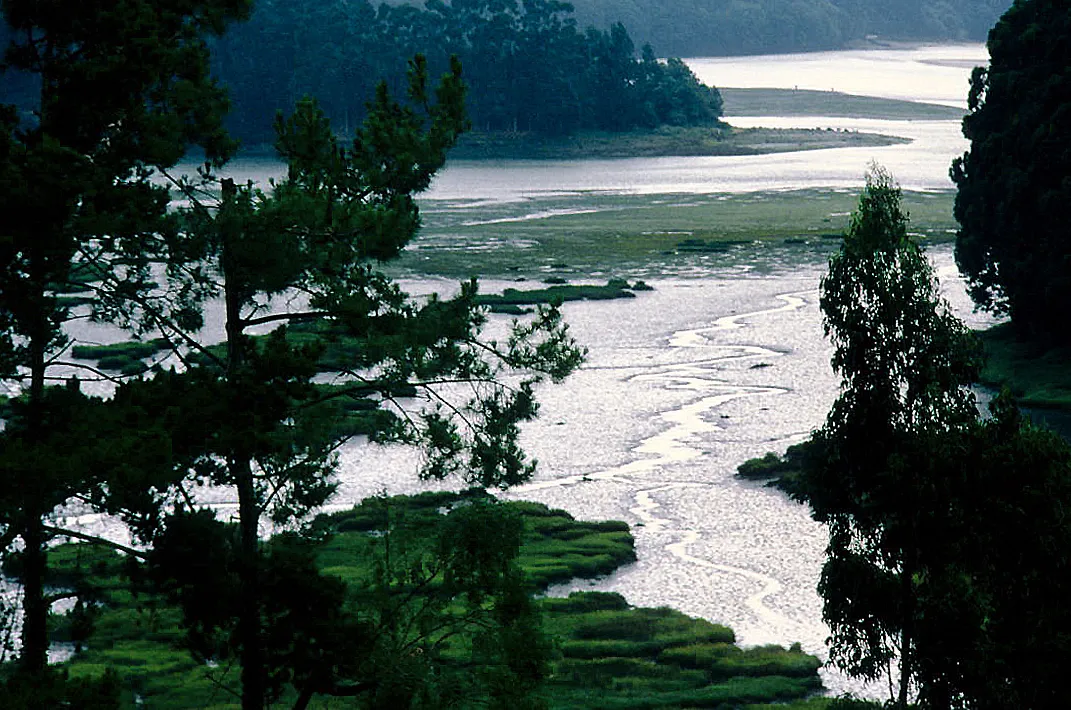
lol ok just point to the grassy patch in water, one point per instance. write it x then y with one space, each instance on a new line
781 472
664 141
511 300
1038 375
611 655
803 102
127 357
601 235
820 703
556 547
616 656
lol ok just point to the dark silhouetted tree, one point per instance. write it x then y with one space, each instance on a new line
880 480
110 92
252 419
1013 185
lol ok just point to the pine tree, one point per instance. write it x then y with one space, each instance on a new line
118 90
251 416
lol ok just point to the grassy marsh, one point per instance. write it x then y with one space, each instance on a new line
1038 376
596 234
659 142
801 102
609 654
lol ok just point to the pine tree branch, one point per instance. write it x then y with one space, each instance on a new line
89 368
96 540
289 317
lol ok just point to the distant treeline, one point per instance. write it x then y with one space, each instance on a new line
527 64
729 27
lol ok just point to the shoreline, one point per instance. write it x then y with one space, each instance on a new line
723 140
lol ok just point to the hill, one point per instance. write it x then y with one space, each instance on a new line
731 27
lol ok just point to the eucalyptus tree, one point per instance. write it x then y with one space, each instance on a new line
109 92
885 481
303 258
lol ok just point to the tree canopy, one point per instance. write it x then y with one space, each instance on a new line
701 27
528 66
879 481
105 95
87 162
1013 183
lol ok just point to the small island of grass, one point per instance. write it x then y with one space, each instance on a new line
778 471
722 139
512 301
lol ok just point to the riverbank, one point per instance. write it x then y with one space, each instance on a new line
1039 376
665 141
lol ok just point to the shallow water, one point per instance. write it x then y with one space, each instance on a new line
682 385
930 73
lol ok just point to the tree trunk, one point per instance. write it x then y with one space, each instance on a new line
906 635
33 657
249 631
240 465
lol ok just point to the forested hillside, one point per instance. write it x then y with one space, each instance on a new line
528 66
727 27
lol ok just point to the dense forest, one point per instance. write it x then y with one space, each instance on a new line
535 65
729 27
528 66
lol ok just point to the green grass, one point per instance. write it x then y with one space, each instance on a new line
664 141
820 703
556 547
511 300
599 235
1038 376
610 655
616 656
780 472
126 357
801 102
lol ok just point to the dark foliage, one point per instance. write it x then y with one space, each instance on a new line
100 95
527 65
1013 185
700 27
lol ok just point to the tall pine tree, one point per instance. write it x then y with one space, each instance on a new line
112 91
303 259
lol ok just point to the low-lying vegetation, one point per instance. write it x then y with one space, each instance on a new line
512 300
659 142
781 472
1038 376
608 653
602 234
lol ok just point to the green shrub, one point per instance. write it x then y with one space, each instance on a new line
579 602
